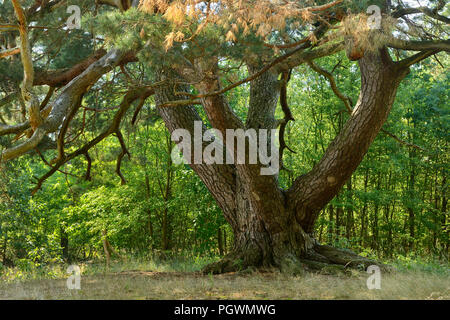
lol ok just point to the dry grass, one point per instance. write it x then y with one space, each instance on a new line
192 285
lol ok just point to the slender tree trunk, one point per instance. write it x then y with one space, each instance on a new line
106 247
331 223
411 196
64 244
364 211
165 241
433 246
444 212
388 245
225 241
5 244
167 195
220 241
339 217
349 224
147 194
375 235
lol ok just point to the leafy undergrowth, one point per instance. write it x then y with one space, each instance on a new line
181 279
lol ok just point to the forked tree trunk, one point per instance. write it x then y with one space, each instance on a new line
274 227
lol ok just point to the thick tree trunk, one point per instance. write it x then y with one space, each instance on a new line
380 78
273 227
292 250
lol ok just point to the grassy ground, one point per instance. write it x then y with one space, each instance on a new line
181 280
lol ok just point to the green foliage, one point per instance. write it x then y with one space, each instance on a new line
132 214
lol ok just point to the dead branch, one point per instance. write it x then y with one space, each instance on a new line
127 100
121 155
28 95
348 102
287 116
60 108
9 52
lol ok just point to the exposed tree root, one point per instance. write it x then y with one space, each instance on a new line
345 257
230 263
322 258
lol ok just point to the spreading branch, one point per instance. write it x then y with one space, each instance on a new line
126 103
283 63
68 95
416 58
441 45
9 52
432 13
348 102
28 95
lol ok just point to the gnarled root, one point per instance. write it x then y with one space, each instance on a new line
329 259
321 258
232 262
